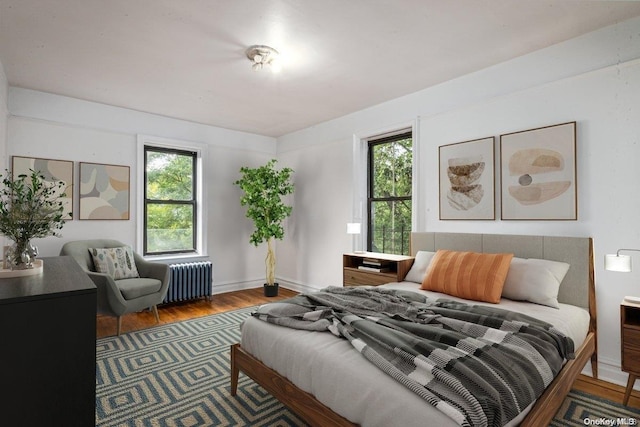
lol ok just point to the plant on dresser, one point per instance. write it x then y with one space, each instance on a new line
29 209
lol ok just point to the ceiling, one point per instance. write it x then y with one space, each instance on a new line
185 58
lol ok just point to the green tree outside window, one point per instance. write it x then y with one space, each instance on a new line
170 201
389 201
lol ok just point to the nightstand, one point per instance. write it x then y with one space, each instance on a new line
373 269
630 343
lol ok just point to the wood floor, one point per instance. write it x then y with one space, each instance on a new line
220 303
169 313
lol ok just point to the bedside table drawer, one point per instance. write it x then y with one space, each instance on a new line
631 338
363 278
631 360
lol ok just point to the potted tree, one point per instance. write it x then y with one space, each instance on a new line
29 208
263 189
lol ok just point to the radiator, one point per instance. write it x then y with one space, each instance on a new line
189 281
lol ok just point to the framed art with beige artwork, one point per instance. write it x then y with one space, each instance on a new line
538 173
467 179
104 191
53 171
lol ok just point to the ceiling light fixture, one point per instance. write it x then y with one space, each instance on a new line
261 56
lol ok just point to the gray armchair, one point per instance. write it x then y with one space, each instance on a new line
118 297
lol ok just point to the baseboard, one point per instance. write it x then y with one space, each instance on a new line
296 286
610 371
220 288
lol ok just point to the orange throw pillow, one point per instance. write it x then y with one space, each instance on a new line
470 275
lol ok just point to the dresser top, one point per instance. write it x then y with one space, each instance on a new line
60 276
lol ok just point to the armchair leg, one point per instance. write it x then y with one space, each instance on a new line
155 312
119 324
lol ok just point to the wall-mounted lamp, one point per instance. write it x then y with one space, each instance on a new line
622 263
355 228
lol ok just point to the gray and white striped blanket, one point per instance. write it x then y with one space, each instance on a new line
480 365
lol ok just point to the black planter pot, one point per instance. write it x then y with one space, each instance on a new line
271 290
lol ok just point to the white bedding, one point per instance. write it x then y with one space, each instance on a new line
340 378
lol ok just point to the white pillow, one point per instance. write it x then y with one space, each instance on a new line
535 280
116 262
419 268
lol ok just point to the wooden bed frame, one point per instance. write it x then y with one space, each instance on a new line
578 288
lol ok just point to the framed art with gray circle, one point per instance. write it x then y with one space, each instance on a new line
538 173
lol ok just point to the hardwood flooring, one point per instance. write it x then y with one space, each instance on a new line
606 390
175 312
220 303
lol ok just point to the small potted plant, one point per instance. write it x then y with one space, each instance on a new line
263 189
29 208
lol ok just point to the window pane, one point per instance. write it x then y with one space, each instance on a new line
389 194
392 169
391 226
169 176
169 227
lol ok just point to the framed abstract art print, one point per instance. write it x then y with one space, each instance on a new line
104 191
53 171
538 173
467 179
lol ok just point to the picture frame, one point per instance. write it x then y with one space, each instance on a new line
104 191
467 180
539 174
53 171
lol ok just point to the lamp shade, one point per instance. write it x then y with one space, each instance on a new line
353 228
614 262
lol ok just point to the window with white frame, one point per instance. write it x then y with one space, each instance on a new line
171 209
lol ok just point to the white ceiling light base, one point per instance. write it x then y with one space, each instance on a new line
261 56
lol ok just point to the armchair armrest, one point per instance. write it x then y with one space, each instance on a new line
155 270
110 300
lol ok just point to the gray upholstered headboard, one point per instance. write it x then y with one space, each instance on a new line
577 288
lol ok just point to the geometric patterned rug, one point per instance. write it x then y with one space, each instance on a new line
178 375
579 407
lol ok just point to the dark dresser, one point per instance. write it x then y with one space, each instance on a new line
48 347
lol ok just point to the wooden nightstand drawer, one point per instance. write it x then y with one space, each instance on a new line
631 360
630 343
631 338
353 277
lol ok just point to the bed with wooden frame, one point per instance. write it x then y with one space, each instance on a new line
577 289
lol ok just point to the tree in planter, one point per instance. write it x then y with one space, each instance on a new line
263 189
29 209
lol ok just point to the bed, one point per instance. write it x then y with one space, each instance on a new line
326 381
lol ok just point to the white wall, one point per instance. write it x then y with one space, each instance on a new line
310 256
594 80
55 127
4 89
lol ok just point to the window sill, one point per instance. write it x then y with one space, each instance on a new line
175 259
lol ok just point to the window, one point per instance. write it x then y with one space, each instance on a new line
170 201
390 161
